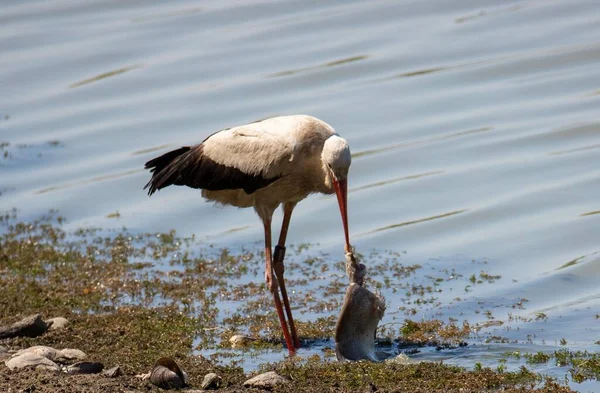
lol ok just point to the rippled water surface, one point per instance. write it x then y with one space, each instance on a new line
474 126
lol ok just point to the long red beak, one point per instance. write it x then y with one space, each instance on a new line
341 190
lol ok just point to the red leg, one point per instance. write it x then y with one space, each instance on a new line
279 268
273 286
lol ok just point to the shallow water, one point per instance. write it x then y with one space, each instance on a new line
474 127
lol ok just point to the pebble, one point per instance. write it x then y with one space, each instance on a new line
211 381
31 360
31 326
69 354
266 381
113 372
57 323
4 354
240 341
85 368
401 359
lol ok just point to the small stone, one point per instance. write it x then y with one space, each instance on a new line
211 381
113 372
85 368
4 354
69 354
401 359
266 381
240 341
31 326
57 323
31 360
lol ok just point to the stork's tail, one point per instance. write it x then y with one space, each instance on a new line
165 169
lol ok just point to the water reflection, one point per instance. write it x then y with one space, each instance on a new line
395 180
103 76
425 141
88 181
169 14
574 150
590 213
405 223
151 149
495 12
325 65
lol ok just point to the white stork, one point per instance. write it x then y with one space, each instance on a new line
277 161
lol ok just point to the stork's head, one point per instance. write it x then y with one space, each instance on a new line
336 161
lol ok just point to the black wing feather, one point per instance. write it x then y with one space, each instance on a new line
188 166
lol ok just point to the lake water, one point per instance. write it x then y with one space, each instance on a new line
474 126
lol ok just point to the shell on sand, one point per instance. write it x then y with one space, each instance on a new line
166 374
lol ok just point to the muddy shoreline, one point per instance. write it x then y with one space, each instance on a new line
125 312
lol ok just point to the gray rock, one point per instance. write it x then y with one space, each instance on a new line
66 355
211 381
31 326
31 360
113 372
266 381
57 323
41 350
85 368
69 354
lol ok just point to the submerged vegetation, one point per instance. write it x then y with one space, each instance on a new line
132 298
